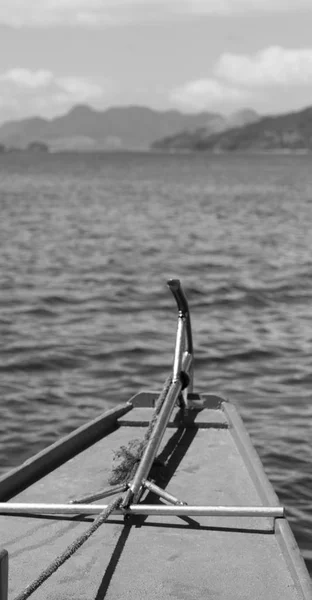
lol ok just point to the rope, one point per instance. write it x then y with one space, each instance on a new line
131 455
70 550
158 404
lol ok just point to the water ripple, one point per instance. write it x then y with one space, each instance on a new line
86 245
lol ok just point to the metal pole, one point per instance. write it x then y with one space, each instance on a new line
99 495
144 509
207 511
154 442
177 364
156 436
152 487
180 362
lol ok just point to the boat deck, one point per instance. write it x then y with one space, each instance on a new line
209 461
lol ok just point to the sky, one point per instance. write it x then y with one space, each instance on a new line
191 55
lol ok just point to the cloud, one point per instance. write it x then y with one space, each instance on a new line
26 78
18 13
96 13
271 66
207 94
233 7
25 93
257 80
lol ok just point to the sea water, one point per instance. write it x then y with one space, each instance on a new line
87 242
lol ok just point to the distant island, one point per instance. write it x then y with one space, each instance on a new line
31 147
144 129
291 132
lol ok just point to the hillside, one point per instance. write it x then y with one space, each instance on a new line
288 132
185 140
82 127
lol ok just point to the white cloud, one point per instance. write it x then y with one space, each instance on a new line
232 7
25 78
271 66
207 94
18 13
79 88
26 93
259 80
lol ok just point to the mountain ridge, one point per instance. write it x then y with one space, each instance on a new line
123 127
118 127
291 131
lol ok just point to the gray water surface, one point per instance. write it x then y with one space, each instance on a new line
87 243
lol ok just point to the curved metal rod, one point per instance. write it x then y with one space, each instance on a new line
184 333
178 293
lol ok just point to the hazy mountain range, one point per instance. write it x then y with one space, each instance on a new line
282 133
140 128
130 127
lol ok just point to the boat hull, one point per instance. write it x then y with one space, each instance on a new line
208 461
